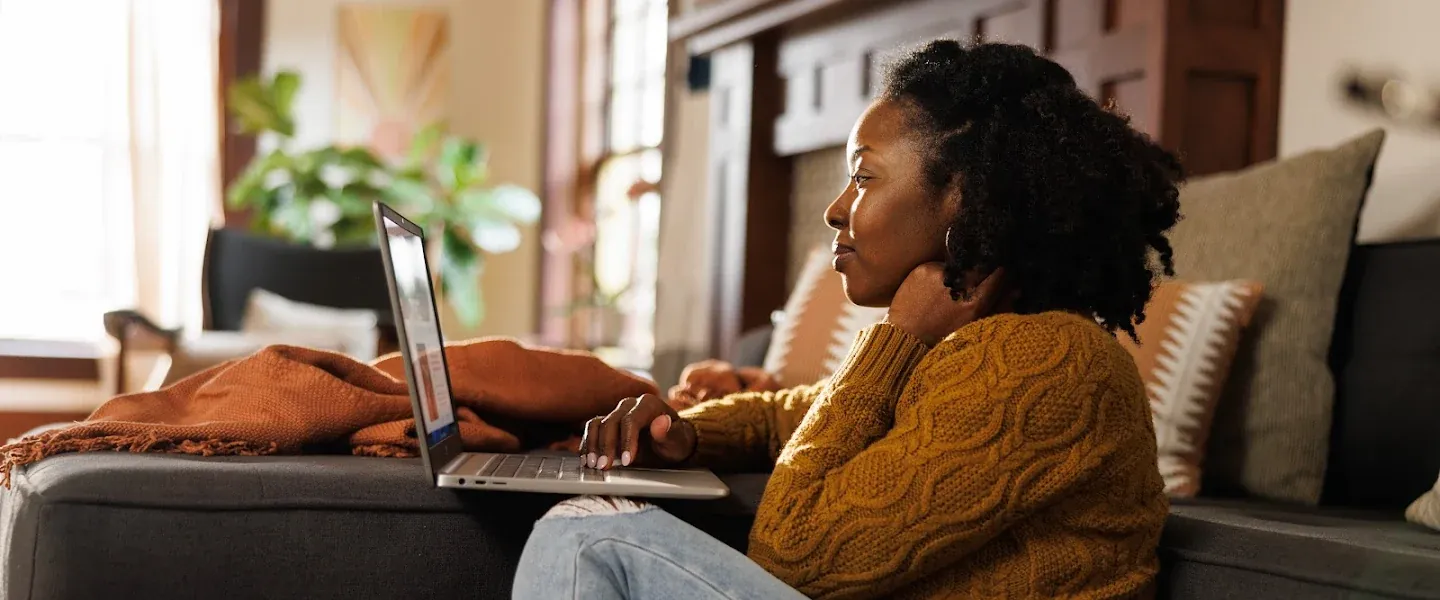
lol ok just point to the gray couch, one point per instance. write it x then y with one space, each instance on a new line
155 526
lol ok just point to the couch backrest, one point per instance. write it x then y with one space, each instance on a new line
1385 438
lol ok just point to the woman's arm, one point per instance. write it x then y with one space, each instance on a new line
746 431
1009 416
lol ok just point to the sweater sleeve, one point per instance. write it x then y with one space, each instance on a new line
746 431
870 496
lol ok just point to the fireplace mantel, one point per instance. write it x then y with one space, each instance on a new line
790 76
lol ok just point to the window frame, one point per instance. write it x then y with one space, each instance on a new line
578 69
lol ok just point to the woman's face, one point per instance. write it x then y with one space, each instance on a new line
887 221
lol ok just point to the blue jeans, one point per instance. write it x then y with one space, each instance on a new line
634 551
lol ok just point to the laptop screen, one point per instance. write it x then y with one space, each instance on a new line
422 332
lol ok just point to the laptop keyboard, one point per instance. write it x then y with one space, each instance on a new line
538 467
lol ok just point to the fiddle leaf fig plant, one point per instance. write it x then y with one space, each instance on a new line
323 196
443 181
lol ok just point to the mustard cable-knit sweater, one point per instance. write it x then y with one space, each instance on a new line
1014 459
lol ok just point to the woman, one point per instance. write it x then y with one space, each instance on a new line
991 438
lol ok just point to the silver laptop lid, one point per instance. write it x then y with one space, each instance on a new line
412 298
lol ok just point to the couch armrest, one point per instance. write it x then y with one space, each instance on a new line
134 331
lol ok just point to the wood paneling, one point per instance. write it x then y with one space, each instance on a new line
1201 76
831 69
1222 82
1235 13
1224 98
750 189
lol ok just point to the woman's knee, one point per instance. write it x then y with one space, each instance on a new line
594 506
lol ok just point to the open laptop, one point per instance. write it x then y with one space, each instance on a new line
402 244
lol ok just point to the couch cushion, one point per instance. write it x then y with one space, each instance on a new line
160 526
1386 357
1214 549
1288 224
1186 344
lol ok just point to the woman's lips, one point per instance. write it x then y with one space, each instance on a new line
843 254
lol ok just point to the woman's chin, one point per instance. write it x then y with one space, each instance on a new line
861 295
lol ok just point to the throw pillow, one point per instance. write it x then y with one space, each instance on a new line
815 331
1426 509
1290 224
1187 343
352 329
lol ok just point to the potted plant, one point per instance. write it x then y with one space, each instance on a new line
323 196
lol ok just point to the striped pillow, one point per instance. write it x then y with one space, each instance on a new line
1188 340
818 325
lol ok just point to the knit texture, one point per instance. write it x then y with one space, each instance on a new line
292 400
1015 459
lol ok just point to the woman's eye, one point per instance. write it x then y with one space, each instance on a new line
859 179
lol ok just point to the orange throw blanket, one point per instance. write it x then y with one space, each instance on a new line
291 400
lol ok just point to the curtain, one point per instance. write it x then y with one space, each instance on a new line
109 171
173 162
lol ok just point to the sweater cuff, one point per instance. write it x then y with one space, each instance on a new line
881 359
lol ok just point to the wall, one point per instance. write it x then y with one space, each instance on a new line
497 82
1325 37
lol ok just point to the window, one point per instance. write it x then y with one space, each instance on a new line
62 151
627 200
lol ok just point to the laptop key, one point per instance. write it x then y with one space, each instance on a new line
509 466
550 469
491 464
530 468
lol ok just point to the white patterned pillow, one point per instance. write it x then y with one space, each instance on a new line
818 325
1187 342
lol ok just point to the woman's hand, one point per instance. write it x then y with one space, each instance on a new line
924 308
710 379
642 431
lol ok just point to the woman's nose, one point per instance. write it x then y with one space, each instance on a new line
837 215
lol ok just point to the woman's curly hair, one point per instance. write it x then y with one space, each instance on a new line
1062 193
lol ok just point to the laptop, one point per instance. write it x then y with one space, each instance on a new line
402 244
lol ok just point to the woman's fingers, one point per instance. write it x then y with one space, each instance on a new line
609 452
646 409
590 443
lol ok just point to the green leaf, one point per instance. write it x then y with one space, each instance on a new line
458 165
354 199
354 230
250 103
422 147
495 237
460 277
358 158
283 89
413 197
293 218
249 188
503 202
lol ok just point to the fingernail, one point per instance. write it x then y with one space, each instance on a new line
604 460
590 460
625 458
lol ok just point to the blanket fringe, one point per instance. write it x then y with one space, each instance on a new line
384 451
32 449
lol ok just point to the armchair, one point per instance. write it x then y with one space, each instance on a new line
236 265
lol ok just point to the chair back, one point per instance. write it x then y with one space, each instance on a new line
237 262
